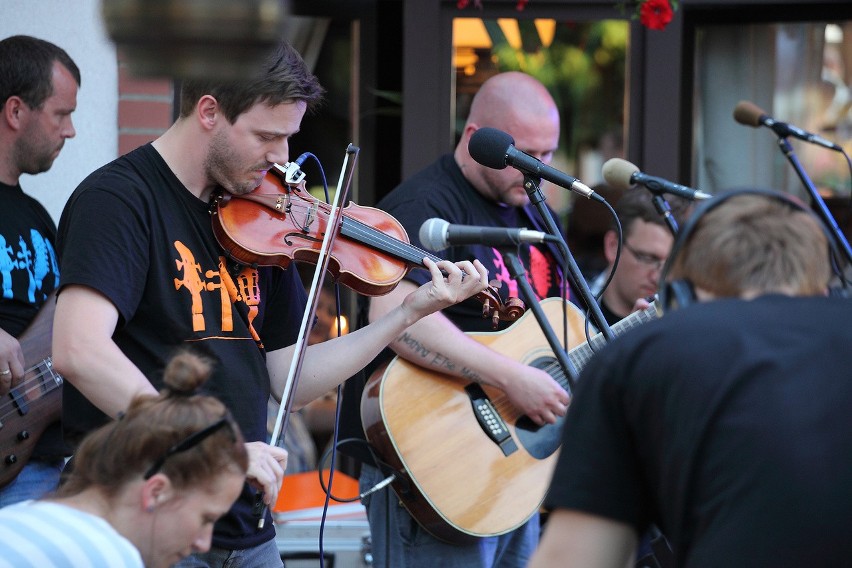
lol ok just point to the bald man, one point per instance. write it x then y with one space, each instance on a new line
459 190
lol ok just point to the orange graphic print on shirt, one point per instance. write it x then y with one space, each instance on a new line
218 281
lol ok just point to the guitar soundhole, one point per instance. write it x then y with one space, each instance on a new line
540 441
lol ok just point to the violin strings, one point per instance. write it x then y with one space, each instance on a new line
367 234
375 237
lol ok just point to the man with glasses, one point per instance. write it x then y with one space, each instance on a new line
646 245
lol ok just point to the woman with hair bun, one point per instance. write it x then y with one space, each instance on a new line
145 489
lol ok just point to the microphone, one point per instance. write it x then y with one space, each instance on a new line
292 171
621 174
750 114
496 149
437 235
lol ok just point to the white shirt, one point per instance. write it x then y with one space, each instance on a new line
41 534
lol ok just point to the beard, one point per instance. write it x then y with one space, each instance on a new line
224 166
34 154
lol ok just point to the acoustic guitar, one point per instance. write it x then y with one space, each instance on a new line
36 403
467 463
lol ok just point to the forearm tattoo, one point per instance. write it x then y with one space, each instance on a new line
429 358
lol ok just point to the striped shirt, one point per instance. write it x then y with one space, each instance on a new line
41 534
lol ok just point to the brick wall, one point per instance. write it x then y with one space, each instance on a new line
145 108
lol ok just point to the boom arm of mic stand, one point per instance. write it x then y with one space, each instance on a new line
518 274
822 209
536 198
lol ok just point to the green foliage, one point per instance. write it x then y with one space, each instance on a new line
584 69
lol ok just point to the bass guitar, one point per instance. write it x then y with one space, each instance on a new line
467 463
36 403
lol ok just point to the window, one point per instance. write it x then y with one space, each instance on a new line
799 73
583 65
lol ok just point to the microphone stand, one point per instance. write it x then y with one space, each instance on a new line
662 206
537 198
518 274
822 209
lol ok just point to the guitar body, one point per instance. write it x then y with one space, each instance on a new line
454 478
29 408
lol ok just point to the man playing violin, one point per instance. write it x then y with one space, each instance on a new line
144 274
459 190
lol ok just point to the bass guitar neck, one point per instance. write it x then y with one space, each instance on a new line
34 404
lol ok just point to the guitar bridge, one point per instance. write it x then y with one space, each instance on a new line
489 419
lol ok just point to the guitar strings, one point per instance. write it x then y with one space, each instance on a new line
502 404
584 352
8 408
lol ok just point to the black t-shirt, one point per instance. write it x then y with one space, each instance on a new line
726 424
134 233
29 272
441 191
610 316
28 268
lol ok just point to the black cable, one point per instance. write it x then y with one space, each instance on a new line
620 234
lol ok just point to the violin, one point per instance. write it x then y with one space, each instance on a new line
281 221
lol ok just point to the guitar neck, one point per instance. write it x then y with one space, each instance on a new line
582 354
29 408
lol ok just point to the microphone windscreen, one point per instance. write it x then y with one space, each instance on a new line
617 173
748 113
488 146
433 234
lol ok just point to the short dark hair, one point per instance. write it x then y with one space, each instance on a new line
283 77
638 204
26 69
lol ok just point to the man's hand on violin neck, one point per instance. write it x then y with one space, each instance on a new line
463 280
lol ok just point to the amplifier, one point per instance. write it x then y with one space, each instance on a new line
346 544
298 516
345 537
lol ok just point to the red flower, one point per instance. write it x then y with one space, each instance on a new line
655 14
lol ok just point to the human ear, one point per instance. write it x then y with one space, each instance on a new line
207 111
610 246
156 491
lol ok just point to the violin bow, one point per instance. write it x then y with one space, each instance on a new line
294 175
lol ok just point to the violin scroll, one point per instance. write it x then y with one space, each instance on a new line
495 308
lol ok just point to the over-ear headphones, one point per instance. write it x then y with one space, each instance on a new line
681 292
